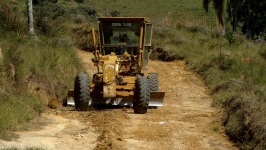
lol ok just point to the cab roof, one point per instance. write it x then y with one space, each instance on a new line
123 19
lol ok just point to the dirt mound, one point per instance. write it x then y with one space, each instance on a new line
164 55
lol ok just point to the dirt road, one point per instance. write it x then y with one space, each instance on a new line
186 121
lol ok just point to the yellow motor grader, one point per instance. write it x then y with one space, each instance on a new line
120 56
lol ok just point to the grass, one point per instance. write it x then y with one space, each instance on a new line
234 72
16 109
32 72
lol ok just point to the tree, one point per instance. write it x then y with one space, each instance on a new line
233 10
249 16
218 6
30 20
253 18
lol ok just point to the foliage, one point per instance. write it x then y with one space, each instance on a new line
31 70
205 4
37 2
83 10
263 51
218 6
230 37
115 13
46 14
8 19
79 1
246 14
233 67
253 18
17 108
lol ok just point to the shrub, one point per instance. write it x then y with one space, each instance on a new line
230 37
46 14
201 29
8 19
263 52
114 13
83 10
79 1
83 39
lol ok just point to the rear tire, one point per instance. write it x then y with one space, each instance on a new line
153 84
81 92
142 95
153 81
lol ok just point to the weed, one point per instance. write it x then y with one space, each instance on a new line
263 52
114 13
230 37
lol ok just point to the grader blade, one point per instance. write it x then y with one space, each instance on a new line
94 101
156 98
70 101
116 101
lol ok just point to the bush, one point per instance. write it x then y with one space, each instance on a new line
114 13
230 37
83 38
46 14
201 29
79 1
83 10
243 117
263 52
8 20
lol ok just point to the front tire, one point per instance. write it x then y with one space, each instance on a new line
81 92
142 95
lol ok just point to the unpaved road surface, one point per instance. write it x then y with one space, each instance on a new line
185 122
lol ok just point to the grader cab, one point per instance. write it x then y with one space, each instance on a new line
122 53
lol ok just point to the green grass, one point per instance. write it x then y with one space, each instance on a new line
233 71
41 69
16 109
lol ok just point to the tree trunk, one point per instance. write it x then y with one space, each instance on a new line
219 6
30 20
249 13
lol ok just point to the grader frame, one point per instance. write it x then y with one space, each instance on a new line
122 53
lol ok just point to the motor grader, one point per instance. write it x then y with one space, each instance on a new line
121 54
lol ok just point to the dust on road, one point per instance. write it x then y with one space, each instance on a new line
186 121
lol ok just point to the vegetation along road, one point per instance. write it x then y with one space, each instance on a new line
186 121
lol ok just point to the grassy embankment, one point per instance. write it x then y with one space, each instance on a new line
234 70
31 72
